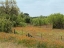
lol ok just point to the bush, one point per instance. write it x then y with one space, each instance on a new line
56 20
39 21
35 22
14 23
27 19
22 24
19 21
13 17
5 25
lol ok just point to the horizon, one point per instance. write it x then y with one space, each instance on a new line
40 7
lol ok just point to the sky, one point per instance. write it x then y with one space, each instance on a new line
41 7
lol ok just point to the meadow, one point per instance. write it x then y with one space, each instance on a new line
42 37
21 30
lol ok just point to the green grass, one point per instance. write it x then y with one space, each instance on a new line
21 32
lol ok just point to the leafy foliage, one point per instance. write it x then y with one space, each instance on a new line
5 25
10 15
39 21
56 20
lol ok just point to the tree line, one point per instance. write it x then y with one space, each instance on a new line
11 16
56 19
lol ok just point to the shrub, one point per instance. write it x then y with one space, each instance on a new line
19 21
39 21
57 20
22 24
5 25
27 19
14 23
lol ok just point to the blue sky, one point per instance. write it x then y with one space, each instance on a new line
41 7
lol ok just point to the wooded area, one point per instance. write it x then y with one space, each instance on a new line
11 16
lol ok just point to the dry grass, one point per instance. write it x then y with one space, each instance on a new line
10 45
41 34
47 33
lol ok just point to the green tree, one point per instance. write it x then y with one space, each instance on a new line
27 17
39 21
9 7
57 20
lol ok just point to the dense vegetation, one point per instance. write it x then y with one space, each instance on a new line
56 20
10 16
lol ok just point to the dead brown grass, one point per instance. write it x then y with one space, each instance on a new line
42 34
10 45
